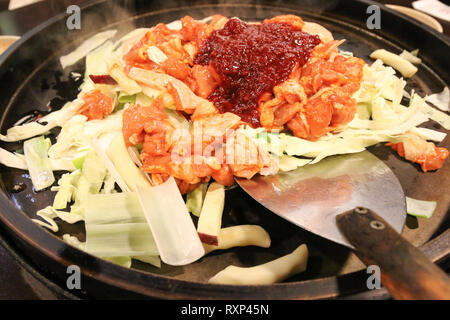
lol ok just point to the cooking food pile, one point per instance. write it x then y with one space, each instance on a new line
168 116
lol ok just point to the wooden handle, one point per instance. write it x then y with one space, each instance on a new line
405 270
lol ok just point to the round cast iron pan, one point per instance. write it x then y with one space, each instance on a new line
31 76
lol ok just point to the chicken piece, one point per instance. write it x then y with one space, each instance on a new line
291 19
160 33
174 49
224 175
266 113
96 105
139 121
329 83
178 60
152 127
314 118
317 29
210 131
291 91
245 158
217 22
275 112
185 187
204 80
185 99
285 113
176 68
137 56
197 31
344 108
162 164
193 30
418 150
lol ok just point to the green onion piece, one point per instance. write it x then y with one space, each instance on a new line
177 240
263 135
38 163
123 239
420 208
125 98
194 199
78 162
116 226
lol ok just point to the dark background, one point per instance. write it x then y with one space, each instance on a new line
15 281
29 17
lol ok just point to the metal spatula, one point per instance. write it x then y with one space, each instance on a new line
337 199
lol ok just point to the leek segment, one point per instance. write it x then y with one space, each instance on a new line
194 199
120 158
38 163
420 208
174 232
406 68
116 226
210 221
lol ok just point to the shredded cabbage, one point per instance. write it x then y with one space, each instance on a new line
96 64
74 187
288 163
44 124
15 160
74 140
428 134
12 160
67 185
121 261
440 100
440 117
86 47
92 176
48 214
153 260
73 241
125 98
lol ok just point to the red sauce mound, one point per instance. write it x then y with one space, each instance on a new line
251 59
428 162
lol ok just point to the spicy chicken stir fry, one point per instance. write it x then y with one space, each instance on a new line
194 98
226 73
168 110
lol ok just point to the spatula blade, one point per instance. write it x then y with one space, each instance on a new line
312 196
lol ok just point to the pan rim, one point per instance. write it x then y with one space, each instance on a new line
23 220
